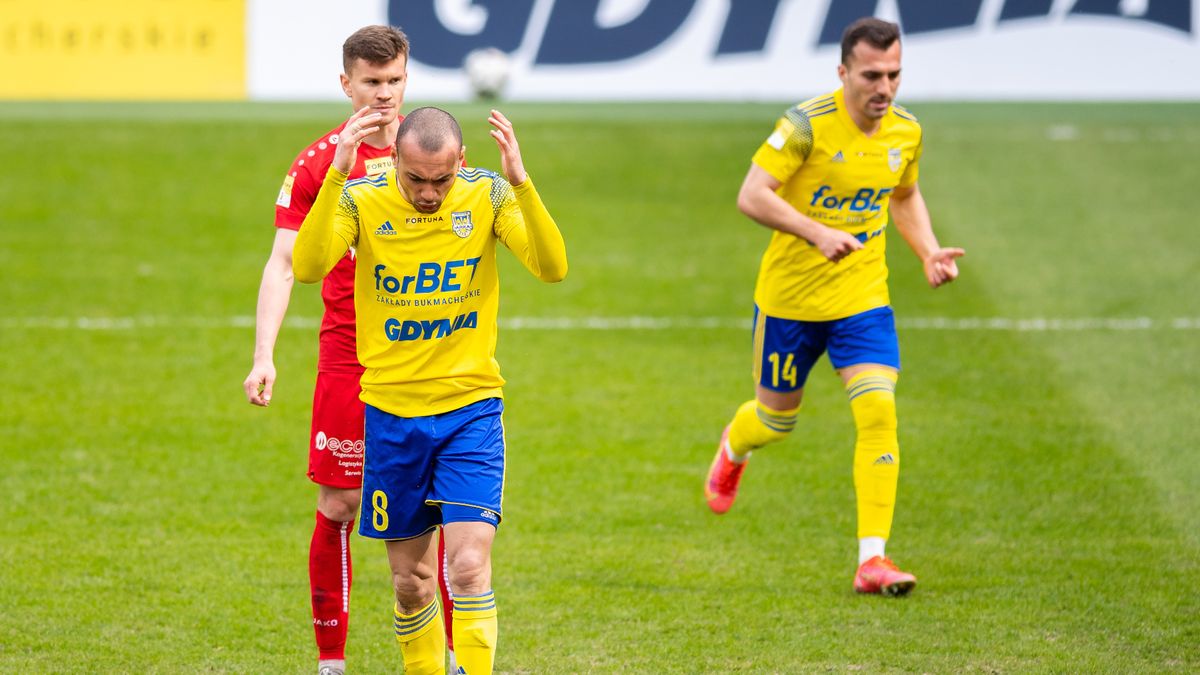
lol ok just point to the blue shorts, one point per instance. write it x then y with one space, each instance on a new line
419 472
785 350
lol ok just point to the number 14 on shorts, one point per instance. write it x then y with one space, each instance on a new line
787 372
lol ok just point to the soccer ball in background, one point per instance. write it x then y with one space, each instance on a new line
487 72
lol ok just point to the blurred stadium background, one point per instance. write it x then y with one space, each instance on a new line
152 520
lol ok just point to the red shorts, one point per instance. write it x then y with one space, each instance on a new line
335 448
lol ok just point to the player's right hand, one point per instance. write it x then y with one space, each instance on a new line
358 127
835 244
259 383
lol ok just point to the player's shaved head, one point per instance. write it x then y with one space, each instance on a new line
374 44
878 33
431 128
428 153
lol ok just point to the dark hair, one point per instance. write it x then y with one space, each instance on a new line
433 127
878 33
375 45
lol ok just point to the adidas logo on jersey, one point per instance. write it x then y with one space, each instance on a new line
385 229
886 459
838 157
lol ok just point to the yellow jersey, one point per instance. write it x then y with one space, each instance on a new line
835 174
426 288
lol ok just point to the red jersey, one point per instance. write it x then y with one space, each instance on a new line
337 351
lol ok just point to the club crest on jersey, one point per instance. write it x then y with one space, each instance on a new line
461 222
894 159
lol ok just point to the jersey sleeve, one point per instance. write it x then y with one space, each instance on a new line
913 169
788 146
526 228
296 195
328 231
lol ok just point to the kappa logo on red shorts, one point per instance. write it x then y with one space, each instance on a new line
336 445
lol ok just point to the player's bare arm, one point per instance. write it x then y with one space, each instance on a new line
361 124
274 293
758 200
510 152
911 216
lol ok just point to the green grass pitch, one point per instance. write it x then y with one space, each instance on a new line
151 520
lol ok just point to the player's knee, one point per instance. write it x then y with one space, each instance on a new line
337 504
872 395
768 424
875 413
469 570
413 588
776 424
755 425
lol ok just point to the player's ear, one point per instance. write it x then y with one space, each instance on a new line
345 80
462 156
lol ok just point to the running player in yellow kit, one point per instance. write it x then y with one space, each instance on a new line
825 180
426 292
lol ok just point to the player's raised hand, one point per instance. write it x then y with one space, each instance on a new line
836 244
510 152
940 266
358 127
259 383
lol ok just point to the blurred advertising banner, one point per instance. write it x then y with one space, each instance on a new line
743 49
599 49
123 49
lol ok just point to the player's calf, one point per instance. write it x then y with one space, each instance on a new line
872 395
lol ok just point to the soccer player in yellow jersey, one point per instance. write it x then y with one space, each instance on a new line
426 296
825 180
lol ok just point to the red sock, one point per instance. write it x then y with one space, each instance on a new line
444 589
329 579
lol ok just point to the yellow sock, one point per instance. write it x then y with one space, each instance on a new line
872 396
422 640
754 425
475 631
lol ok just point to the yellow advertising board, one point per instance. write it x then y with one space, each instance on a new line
123 49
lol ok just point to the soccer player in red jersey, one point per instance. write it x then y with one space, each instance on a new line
375 64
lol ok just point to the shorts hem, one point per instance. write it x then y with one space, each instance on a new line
424 532
355 485
469 505
464 505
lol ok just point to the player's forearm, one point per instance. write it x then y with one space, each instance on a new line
274 294
546 257
318 246
769 209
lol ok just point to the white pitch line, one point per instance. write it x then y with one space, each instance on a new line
622 323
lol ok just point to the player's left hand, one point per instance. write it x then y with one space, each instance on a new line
510 152
940 266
